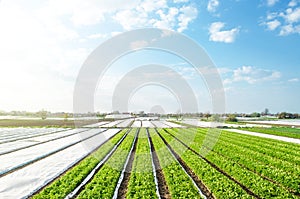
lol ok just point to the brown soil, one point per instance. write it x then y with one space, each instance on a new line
124 184
162 185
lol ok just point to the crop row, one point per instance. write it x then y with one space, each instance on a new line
238 166
287 153
281 131
142 181
291 150
270 157
254 182
104 182
218 184
72 178
284 173
178 182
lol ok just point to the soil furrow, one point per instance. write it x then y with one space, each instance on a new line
126 175
195 178
217 168
162 185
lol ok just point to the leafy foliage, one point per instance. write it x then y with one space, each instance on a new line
281 131
268 168
247 158
180 185
71 179
141 183
104 182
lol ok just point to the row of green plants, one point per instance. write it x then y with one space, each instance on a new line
280 154
288 154
281 147
178 182
141 183
65 184
284 173
281 131
104 182
284 151
245 158
253 181
218 184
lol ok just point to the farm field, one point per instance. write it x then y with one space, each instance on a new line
280 131
145 159
290 122
55 123
150 99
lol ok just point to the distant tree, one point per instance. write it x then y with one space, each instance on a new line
207 115
66 116
231 118
215 118
282 115
43 114
285 115
141 113
101 115
266 111
255 114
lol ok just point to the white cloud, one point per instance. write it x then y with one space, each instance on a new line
142 15
292 16
294 80
44 43
157 14
37 60
85 12
218 35
180 1
271 2
286 30
167 21
130 19
293 3
272 25
212 5
223 70
188 13
129 14
187 72
227 81
115 33
97 36
271 16
152 5
292 19
288 21
252 75
190 72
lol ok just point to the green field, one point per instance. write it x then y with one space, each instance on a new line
281 131
237 166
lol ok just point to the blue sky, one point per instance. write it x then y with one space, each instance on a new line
255 45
